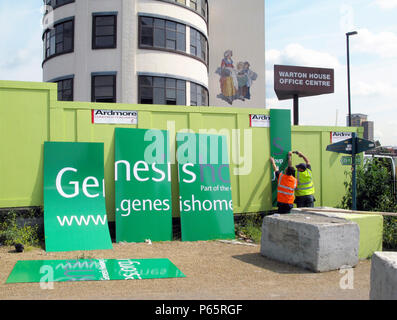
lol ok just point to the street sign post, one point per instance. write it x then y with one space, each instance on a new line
344 146
352 146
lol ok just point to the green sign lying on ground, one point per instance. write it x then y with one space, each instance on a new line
142 185
74 197
280 144
92 270
206 207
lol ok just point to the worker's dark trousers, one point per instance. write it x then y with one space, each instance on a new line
305 201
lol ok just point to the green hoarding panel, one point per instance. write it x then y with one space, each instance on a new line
142 185
280 136
44 118
205 200
92 270
74 197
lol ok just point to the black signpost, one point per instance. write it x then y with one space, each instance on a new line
352 146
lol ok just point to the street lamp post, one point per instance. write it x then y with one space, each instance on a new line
354 182
348 75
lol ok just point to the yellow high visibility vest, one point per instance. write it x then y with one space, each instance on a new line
305 183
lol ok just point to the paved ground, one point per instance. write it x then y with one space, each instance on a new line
214 270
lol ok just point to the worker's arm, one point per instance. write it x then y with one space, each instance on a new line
290 159
275 168
300 154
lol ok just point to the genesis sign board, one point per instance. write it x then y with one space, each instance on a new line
74 197
280 136
143 185
205 202
290 81
48 271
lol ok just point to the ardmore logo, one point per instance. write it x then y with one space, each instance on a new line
100 116
341 134
260 117
115 113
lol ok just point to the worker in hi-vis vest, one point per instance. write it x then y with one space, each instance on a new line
286 186
304 193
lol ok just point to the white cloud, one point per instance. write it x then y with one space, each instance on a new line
25 64
346 19
383 43
21 30
296 54
386 4
274 103
366 89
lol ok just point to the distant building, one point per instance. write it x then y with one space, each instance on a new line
368 130
361 120
357 119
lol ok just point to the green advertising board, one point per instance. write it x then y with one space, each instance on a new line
280 144
74 197
206 207
45 271
142 185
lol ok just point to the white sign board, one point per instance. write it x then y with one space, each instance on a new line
259 121
114 116
340 136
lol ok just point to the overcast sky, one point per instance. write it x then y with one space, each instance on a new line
298 32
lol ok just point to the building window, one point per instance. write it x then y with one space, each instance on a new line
104 31
198 95
57 3
65 89
103 88
198 45
193 4
198 6
204 8
59 40
164 34
160 90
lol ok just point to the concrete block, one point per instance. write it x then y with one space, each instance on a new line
371 228
383 276
313 242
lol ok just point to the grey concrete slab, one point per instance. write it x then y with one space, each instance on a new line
310 241
384 276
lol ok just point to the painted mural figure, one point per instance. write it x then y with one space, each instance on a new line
228 79
235 83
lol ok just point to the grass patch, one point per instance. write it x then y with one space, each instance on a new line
12 233
249 228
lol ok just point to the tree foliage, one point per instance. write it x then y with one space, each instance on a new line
375 192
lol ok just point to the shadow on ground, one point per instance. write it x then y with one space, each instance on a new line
260 261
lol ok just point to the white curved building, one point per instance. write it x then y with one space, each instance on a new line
138 51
